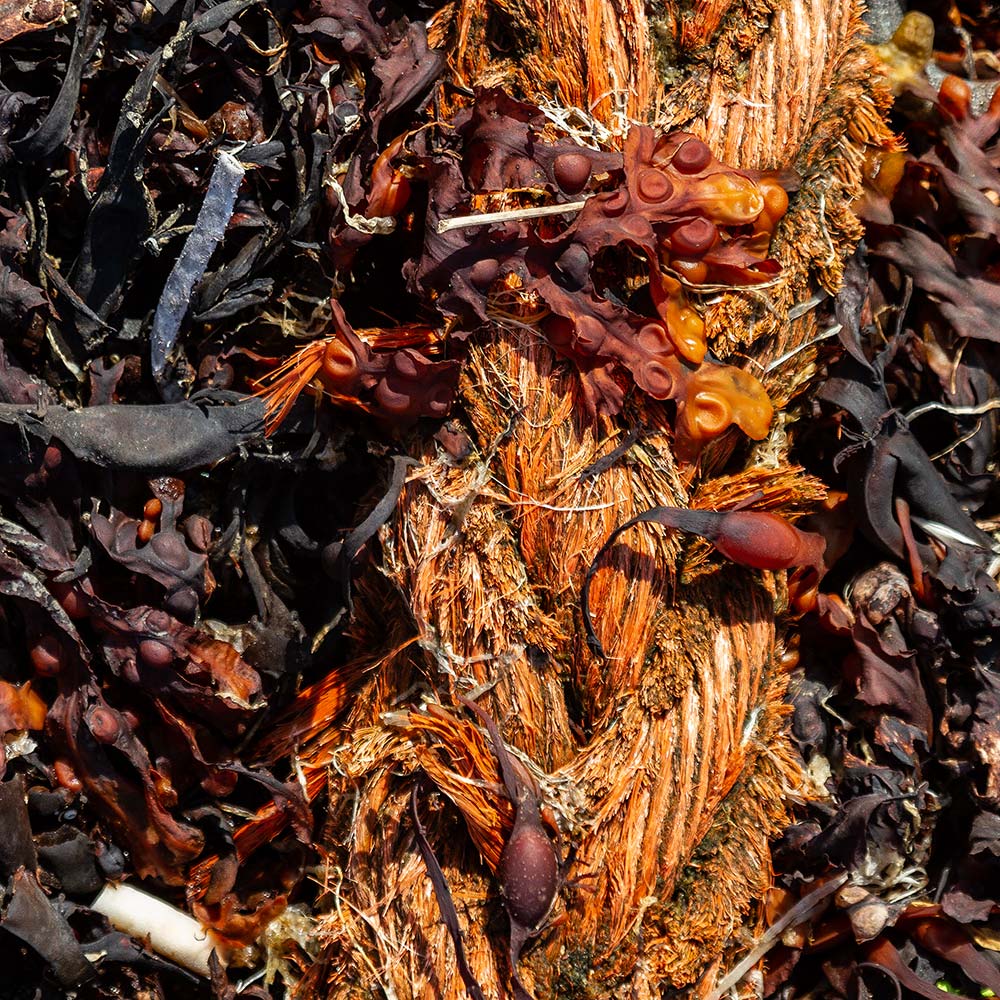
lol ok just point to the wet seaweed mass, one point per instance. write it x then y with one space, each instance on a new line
335 362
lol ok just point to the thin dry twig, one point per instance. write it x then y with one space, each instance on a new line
798 914
509 215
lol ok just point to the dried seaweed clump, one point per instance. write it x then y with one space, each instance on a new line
606 280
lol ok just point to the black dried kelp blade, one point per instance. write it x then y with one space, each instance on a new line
31 917
51 553
69 854
17 297
163 438
347 551
121 214
215 17
970 898
445 903
969 304
120 949
12 104
601 465
19 581
17 849
54 127
849 303
63 287
894 463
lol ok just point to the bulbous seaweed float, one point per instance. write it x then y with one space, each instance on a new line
757 539
399 385
529 872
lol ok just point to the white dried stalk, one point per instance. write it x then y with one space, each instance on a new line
168 931
510 215
805 908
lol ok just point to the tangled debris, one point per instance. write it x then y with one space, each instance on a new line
211 210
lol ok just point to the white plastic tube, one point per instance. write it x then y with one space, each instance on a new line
169 932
